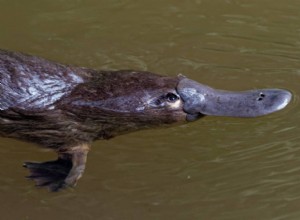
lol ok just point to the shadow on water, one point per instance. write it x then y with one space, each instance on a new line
216 168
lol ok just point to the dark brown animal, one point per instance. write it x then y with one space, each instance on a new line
66 108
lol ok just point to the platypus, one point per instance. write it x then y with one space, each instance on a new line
66 108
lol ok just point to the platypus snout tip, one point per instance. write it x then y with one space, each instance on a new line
281 98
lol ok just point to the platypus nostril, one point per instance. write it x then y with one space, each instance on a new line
261 96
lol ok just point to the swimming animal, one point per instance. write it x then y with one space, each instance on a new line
66 108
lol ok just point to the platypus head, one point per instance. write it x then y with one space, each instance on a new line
124 101
171 99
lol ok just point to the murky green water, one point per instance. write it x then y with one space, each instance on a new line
216 168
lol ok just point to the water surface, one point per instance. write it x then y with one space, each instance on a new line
216 168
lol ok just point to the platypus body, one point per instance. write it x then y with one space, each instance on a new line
66 108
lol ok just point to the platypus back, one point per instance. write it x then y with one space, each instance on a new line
29 82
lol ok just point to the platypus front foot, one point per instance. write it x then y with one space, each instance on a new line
60 173
50 174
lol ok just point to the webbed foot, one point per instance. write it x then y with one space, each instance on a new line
50 174
60 173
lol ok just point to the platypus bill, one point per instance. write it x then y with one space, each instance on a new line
66 108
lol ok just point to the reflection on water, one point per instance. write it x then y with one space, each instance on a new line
216 168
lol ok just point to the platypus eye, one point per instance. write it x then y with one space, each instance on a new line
171 97
162 100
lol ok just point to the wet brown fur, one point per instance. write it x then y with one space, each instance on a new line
65 108
87 111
